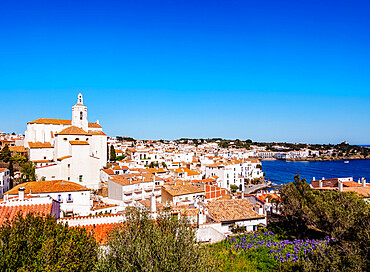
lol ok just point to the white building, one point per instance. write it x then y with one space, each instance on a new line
234 172
133 187
72 150
73 198
4 181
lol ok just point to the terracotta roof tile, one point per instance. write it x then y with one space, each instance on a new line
59 122
176 190
9 212
52 186
72 130
92 132
39 145
100 231
231 209
63 158
51 121
78 142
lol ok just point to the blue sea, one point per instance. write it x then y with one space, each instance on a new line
284 171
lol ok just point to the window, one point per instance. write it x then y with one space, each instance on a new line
69 178
65 139
81 115
87 139
68 165
52 177
60 198
77 139
44 158
80 178
69 199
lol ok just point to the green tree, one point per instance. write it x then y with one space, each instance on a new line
144 244
11 173
112 156
234 188
19 159
5 154
28 171
340 215
37 243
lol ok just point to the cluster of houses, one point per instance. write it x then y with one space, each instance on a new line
78 184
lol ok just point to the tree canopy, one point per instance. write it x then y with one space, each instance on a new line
343 216
144 244
35 243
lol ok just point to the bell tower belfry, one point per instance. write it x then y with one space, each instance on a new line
79 114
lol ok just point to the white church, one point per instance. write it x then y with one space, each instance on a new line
72 150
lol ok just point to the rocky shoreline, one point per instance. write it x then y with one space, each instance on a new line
322 159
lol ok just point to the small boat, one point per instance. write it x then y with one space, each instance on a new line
346 161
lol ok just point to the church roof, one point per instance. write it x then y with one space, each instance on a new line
39 145
78 142
51 121
73 130
59 122
92 132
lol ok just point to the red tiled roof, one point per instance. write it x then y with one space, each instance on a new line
108 171
351 184
232 209
263 197
9 212
39 145
100 231
78 142
51 186
59 122
72 130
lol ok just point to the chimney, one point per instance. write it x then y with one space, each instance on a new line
313 178
320 183
21 193
200 218
153 207
340 186
359 181
363 182
97 121
242 195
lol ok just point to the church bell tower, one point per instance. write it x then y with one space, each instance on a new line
79 114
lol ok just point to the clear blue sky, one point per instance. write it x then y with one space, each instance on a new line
296 71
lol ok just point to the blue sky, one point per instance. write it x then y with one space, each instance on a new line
295 71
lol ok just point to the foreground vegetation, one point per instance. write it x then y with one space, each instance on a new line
320 231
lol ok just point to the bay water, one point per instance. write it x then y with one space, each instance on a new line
282 172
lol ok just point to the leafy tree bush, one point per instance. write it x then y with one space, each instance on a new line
5 154
28 171
145 244
37 243
112 156
340 215
234 188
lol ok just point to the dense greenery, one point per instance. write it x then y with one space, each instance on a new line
28 171
112 154
341 215
144 244
38 243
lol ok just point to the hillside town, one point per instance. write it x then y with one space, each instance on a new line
85 178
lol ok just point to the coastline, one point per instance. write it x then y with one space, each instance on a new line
319 159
